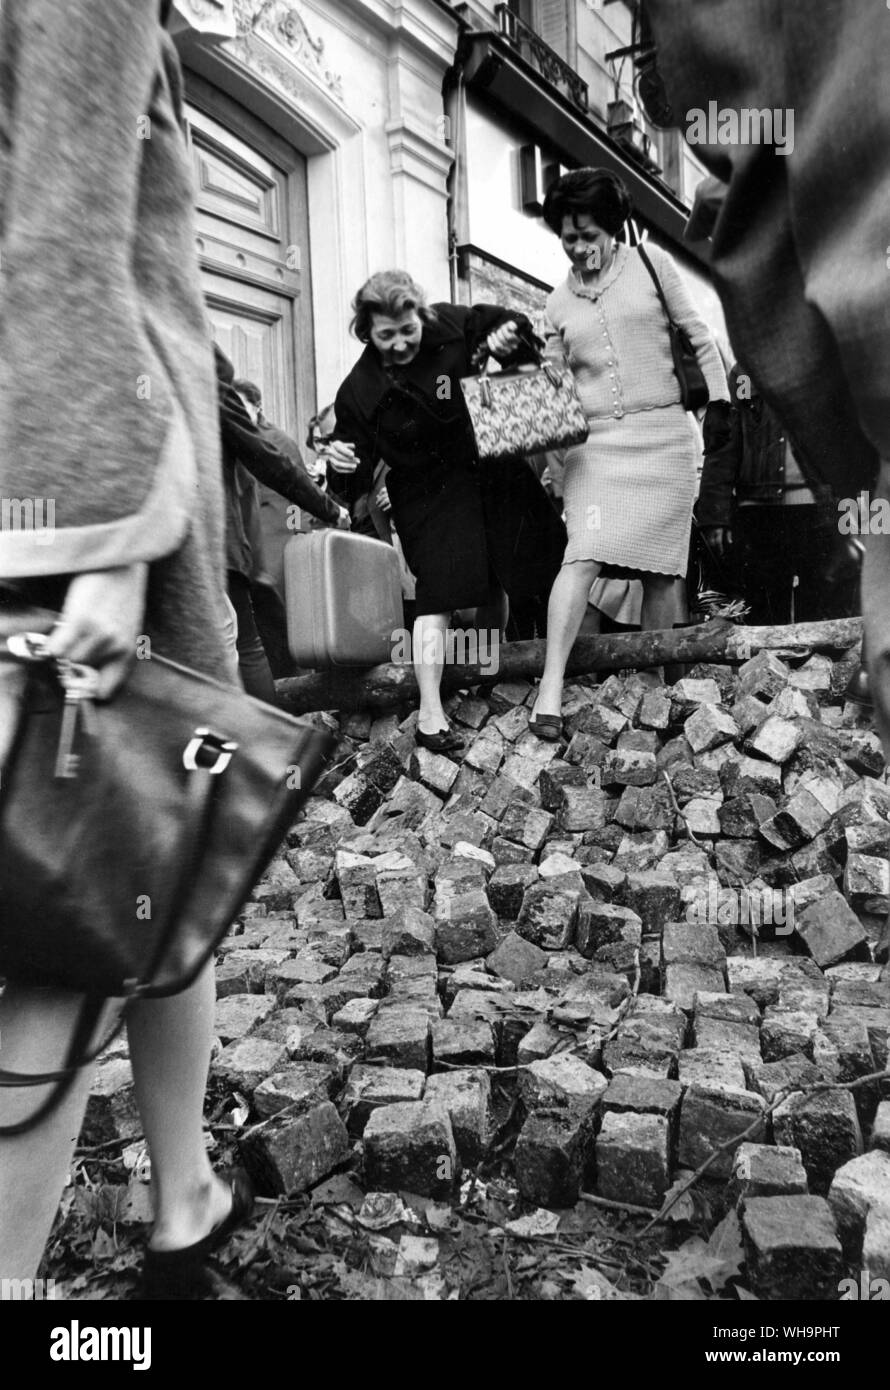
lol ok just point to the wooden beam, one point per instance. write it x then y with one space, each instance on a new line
380 688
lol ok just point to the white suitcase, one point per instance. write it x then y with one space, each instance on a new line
344 599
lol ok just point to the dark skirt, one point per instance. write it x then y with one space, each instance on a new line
463 525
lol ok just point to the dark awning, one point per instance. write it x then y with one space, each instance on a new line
491 66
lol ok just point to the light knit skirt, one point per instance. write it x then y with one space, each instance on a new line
629 491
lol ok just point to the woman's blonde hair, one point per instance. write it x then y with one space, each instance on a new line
389 292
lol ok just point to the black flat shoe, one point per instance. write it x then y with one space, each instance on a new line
445 741
546 726
183 1274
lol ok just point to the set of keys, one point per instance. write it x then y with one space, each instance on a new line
79 684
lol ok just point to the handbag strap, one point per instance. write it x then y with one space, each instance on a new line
657 283
90 1013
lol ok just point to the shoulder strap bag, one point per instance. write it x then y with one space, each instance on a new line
693 387
132 830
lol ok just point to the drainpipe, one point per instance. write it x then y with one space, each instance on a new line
454 102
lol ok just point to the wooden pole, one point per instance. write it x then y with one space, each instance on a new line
379 688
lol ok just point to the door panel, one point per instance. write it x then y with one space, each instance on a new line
254 328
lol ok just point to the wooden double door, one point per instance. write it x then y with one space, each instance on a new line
253 244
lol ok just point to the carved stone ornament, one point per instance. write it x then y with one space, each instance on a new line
283 22
208 16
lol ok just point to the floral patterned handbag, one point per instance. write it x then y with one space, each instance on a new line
519 412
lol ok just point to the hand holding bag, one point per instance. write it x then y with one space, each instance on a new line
132 831
514 413
694 393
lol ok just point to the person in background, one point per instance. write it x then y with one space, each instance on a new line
246 456
629 489
756 504
270 521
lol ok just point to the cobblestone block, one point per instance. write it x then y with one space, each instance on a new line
296 1088
411 1147
468 931
517 959
248 1061
787 1031
831 931
825 1127
463 1042
292 1154
793 1252
561 1080
765 675
655 896
549 915
235 1015
633 1158
766 1170
580 808
861 1185
629 767
711 1116
640 1095
552 1152
709 726
408 932
465 1096
400 1036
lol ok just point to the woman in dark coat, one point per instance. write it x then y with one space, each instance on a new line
469 531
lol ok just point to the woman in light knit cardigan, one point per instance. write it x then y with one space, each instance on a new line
629 489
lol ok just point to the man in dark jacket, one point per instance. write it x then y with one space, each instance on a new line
247 455
777 528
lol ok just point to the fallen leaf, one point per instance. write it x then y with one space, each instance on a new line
538 1223
590 1284
692 1261
726 1244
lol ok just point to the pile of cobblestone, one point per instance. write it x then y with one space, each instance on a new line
659 935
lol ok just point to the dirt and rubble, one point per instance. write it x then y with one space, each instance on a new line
596 1019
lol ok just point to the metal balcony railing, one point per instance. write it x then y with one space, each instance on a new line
541 56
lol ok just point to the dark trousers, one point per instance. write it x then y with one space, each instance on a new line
772 545
253 663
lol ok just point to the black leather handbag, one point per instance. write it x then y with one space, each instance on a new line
693 387
132 830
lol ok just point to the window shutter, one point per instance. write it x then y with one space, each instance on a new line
552 24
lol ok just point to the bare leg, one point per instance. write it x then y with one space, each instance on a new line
591 623
661 602
36 1027
429 662
170 1050
565 611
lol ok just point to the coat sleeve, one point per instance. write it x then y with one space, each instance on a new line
483 319
720 472
353 428
243 441
684 313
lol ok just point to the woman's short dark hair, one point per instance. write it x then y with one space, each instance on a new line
389 292
597 192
